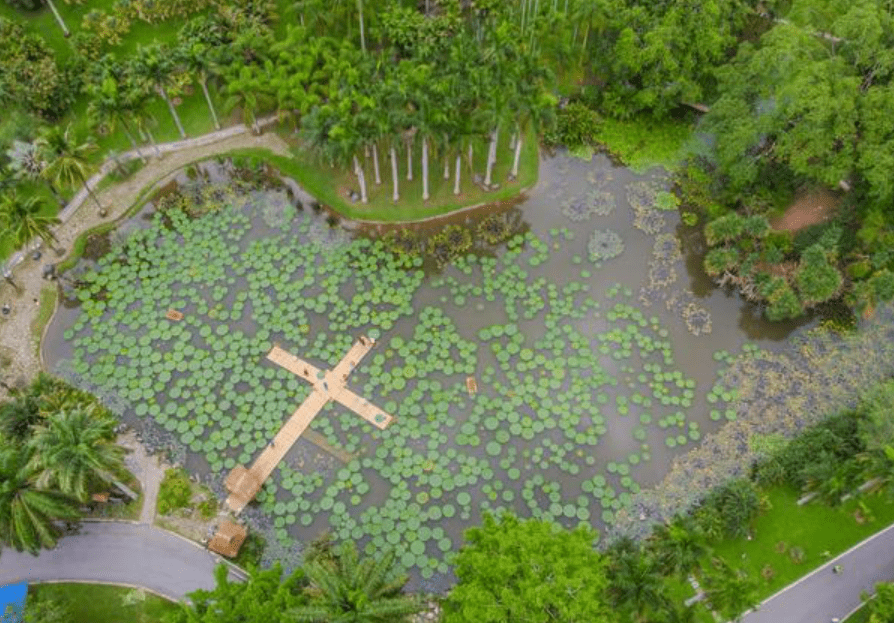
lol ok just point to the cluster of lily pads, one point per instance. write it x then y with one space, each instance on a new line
508 407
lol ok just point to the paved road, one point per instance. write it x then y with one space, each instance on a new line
822 595
121 553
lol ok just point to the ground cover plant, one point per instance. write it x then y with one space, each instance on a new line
560 368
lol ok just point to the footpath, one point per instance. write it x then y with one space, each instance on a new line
19 355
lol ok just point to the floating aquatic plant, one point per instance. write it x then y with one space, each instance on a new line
604 244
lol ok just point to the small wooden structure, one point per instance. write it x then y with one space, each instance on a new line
471 385
100 497
229 538
173 314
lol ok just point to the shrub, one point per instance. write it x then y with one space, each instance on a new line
175 491
817 279
737 504
576 126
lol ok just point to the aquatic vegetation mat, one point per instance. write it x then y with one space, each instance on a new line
575 387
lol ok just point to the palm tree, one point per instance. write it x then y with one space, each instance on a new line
67 163
156 65
635 582
678 546
729 591
21 217
28 511
349 589
74 450
202 40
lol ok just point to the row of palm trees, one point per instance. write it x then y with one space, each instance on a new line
50 463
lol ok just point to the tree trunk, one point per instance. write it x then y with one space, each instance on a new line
133 141
512 141
491 156
425 194
376 165
410 160
361 179
204 82
59 20
518 148
395 196
154 143
362 31
456 181
173 110
446 166
99 206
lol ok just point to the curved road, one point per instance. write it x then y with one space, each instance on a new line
120 553
823 595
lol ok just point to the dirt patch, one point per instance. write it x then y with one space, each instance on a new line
810 208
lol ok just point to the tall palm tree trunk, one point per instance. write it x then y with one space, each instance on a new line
65 31
518 148
378 175
409 160
99 206
491 156
395 195
164 94
459 159
362 30
361 179
203 80
425 194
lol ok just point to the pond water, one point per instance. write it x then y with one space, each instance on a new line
594 339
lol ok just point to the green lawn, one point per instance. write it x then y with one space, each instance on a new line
330 185
822 532
93 603
860 616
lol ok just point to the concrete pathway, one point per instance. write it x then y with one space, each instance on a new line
148 469
119 553
823 595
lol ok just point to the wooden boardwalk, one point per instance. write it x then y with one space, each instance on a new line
243 484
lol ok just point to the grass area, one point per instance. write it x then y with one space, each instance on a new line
786 530
46 306
330 185
860 616
89 603
643 142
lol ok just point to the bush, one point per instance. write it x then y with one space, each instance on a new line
831 442
817 279
737 503
30 76
175 491
576 126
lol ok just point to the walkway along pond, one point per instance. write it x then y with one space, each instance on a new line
595 346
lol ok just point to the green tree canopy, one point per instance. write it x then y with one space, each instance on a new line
528 570
263 598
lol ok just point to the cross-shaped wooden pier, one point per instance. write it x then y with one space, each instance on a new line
243 484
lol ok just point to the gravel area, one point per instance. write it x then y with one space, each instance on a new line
19 350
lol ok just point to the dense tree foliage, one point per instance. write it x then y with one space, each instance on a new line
56 447
528 570
263 598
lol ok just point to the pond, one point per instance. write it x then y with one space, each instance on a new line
593 338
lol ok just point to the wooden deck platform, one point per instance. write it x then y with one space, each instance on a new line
243 484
